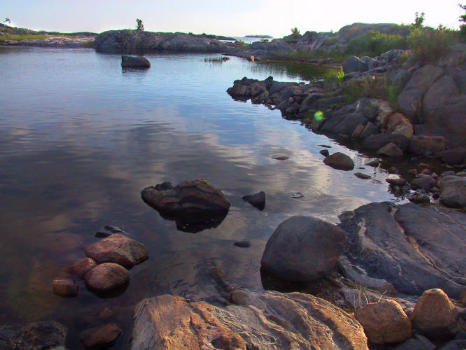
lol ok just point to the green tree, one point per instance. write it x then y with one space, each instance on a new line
139 24
295 31
419 20
463 21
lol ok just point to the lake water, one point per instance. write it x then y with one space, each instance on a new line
80 138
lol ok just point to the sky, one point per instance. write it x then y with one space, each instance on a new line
223 17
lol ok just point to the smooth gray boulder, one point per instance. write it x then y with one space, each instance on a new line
303 249
134 62
414 248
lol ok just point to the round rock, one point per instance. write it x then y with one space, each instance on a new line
100 337
339 161
384 322
81 267
64 287
107 277
303 249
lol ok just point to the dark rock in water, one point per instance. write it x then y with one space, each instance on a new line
453 191
373 163
194 205
279 156
119 249
412 247
65 287
100 337
325 146
34 336
423 181
242 244
257 200
396 181
324 152
339 161
267 320
362 176
81 267
134 62
113 229
419 197
303 249
106 278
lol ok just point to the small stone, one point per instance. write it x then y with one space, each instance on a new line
242 244
373 163
296 195
324 152
339 161
65 287
423 181
101 234
325 146
434 314
279 156
419 198
107 277
81 267
396 181
384 322
257 200
100 337
362 176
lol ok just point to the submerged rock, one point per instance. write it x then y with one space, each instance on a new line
134 62
35 336
194 205
268 320
257 200
100 337
303 249
242 244
65 287
81 267
119 249
339 161
106 278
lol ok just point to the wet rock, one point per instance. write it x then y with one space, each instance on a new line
257 200
453 156
453 191
118 249
434 314
426 144
242 244
194 205
324 152
390 150
362 176
373 163
396 180
339 161
412 247
384 322
418 342
107 277
101 234
377 141
303 249
255 321
65 287
38 336
81 267
134 62
419 197
100 337
279 156
423 181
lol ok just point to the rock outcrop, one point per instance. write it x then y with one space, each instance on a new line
268 320
303 249
414 248
194 205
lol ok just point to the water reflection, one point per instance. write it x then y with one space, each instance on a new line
79 139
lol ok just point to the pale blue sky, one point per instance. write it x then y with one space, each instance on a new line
239 17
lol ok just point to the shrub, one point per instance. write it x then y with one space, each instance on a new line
428 45
374 43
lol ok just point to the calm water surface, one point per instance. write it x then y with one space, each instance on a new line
80 138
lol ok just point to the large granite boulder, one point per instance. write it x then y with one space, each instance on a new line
268 320
118 248
414 248
303 249
194 205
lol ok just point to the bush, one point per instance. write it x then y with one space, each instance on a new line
428 45
374 43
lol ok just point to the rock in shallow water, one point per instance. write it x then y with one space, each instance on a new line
118 249
100 337
35 336
65 287
339 161
268 320
257 200
134 62
194 205
303 249
106 278
81 267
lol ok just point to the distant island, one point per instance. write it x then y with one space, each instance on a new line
259 36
